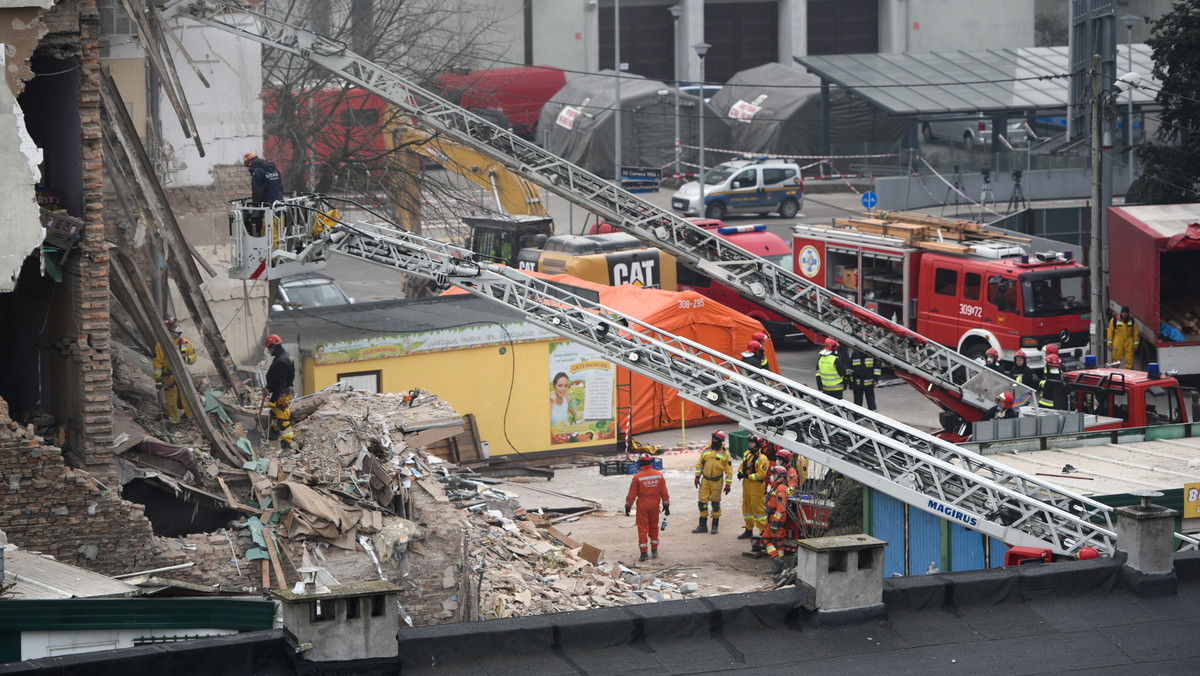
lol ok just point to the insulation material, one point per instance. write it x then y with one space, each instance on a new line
579 125
20 157
312 513
776 109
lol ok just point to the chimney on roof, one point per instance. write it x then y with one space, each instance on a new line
843 572
1146 533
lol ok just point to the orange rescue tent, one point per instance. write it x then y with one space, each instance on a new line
685 314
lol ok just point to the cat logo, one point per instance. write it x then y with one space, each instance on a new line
638 268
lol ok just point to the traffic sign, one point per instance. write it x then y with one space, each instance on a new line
870 199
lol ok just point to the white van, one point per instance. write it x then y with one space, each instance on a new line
744 186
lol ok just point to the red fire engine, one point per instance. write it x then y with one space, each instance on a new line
952 282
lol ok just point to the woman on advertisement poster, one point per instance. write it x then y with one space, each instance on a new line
559 401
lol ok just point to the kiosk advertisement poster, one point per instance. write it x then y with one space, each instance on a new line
582 395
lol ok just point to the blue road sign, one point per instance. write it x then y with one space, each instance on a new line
870 199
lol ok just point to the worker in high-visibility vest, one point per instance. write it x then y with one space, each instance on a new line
1123 337
831 372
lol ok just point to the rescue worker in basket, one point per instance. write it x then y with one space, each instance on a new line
1052 389
266 188
991 359
280 377
164 380
713 466
753 473
1022 373
1003 408
755 355
647 489
831 372
1123 338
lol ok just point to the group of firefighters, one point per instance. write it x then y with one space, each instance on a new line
769 476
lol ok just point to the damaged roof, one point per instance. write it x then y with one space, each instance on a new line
40 577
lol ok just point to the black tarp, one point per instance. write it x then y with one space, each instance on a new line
776 109
579 125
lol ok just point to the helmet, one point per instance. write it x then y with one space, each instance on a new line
993 352
645 459
1088 553
1052 359
1052 348
753 346
1021 354
756 441
172 325
760 336
248 158
718 436
783 456
831 344
779 471
273 340
1005 399
1124 309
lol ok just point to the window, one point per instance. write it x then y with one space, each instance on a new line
685 276
1163 406
773 176
746 179
1003 294
866 559
113 19
378 609
360 117
352 609
362 381
972 284
945 282
837 562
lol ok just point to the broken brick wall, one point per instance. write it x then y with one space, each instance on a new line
71 515
434 565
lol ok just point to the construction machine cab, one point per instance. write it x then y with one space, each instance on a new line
499 238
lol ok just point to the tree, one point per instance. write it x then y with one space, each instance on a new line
1171 164
330 136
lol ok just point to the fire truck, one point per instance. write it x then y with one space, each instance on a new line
952 282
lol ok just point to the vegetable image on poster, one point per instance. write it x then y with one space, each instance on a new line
582 395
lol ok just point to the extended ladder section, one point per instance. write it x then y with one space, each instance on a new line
923 471
951 379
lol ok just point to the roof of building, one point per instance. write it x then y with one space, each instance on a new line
992 80
1166 220
40 577
1112 469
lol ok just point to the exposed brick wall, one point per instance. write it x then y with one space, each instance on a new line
435 572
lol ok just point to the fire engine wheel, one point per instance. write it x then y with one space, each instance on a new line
715 210
789 208
976 350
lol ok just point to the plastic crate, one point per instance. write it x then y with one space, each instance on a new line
611 468
631 467
739 443
657 463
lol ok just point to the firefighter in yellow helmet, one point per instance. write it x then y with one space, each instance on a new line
280 377
1123 337
714 465
164 380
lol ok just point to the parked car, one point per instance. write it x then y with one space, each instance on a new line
310 290
744 186
975 131
710 90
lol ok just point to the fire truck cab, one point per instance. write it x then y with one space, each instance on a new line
973 295
1124 398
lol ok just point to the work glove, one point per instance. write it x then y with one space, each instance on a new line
158 384
627 511
666 510
728 487
697 482
741 475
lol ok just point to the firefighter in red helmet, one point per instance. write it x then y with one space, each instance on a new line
647 489
280 377
831 372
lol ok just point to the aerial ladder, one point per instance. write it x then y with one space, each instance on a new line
926 472
953 381
919 469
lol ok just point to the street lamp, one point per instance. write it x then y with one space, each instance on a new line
701 49
676 12
1130 20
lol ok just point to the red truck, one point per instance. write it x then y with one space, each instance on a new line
1154 268
1124 398
518 93
345 124
971 295
756 239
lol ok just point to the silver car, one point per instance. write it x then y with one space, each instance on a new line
973 132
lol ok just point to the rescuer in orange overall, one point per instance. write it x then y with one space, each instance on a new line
648 488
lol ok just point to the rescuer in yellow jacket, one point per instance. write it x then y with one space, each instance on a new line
1123 338
831 372
753 473
714 465
164 380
